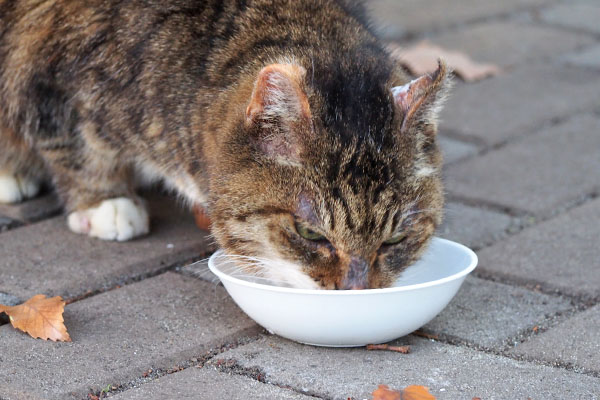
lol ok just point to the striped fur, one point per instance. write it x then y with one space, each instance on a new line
92 91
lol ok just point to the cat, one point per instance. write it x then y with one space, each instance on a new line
313 152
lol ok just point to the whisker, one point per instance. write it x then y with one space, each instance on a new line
418 212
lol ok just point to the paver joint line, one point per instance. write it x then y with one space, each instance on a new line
153 374
231 366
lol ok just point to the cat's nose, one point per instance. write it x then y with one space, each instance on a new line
358 275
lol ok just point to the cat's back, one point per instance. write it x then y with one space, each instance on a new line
112 49
138 57
69 35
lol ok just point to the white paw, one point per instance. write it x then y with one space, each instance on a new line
114 219
15 188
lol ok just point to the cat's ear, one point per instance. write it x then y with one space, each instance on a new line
421 100
279 110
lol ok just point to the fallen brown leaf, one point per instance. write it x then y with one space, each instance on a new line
398 349
383 392
412 392
415 392
202 218
422 58
40 317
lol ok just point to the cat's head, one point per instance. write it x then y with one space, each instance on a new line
331 187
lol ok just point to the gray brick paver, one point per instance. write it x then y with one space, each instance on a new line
519 102
580 15
157 323
15 394
575 341
47 258
454 150
561 253
7 300
450 372
208 384
36 209
473 226
510 43
171 318
487 313
395 18
546 170
589 57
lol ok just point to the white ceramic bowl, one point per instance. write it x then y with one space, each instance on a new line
345 318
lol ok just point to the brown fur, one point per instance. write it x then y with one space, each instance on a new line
188 90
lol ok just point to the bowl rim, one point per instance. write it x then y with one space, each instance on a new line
364 292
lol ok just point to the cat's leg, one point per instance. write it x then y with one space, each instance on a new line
96 184
21 169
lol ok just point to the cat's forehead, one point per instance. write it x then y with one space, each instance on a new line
364 164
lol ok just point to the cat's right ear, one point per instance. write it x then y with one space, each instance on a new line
279 111
420 100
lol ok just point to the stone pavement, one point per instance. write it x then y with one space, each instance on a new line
523 180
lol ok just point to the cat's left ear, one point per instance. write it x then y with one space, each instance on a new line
421 100
279 111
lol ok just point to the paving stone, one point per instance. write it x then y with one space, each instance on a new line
15 394
7 300
395 18
538 174
454 150
472 226
508 43
47 258
583 15
157 323
518 102
487 314
450 372
573 342
589 57
561 253
33 210
207 383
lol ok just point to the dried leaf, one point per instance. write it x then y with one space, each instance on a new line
202 218
413 392
383 392
422 58
40 317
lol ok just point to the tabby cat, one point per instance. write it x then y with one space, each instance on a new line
313 152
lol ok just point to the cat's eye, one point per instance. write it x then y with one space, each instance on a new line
308 233
397 238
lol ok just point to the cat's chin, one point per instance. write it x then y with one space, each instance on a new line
287 274
268 271
273 271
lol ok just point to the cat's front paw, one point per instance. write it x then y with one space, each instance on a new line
15 188
114 219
